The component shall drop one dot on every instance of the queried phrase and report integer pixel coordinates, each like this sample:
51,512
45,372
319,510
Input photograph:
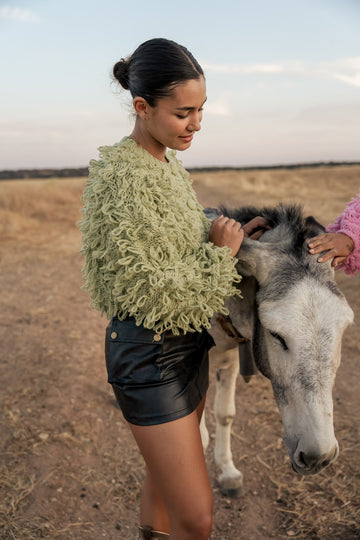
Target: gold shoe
147,533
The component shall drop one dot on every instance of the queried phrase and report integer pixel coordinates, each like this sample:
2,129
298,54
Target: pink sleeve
349,224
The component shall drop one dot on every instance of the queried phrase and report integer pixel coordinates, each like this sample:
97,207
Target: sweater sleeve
165,277
349,224
161,286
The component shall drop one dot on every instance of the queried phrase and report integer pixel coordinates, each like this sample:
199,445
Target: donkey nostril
330,457
302,460
311,462
307,460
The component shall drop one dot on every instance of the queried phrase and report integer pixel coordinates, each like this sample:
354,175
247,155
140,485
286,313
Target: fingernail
320,259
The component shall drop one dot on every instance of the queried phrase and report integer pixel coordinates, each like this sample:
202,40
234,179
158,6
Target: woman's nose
195,124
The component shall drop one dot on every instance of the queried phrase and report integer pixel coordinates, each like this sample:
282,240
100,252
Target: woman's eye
183,116
281,340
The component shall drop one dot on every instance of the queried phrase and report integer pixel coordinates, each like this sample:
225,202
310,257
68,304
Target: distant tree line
43,173
84,171
272,167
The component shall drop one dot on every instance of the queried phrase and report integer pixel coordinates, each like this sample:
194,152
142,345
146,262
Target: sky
283,78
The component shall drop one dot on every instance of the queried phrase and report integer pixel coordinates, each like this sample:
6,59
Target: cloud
217,108
252,68
18,14
353,80
342,115
346,70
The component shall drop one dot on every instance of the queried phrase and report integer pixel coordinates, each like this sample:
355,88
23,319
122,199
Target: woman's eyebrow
188,108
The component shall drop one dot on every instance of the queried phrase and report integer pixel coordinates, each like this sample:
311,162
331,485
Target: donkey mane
289,231
294,230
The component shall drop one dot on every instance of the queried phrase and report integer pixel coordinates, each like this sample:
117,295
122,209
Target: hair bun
121,73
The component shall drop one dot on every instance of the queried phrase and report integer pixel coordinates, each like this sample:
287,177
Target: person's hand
338,247
255,228
226,231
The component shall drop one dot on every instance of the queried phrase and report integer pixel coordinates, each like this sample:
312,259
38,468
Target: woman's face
174,120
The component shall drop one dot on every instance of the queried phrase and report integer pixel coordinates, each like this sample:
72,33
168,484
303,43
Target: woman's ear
141,107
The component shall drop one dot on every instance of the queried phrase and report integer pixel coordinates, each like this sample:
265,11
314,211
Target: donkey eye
281,340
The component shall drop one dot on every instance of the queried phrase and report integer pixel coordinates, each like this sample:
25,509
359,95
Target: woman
160,270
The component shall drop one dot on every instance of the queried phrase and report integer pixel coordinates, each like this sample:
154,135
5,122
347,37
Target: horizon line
48,172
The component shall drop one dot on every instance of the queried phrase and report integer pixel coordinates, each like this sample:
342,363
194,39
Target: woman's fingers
224,220
337,261
330,254
257,222
226,231
334,244
320,243
256,235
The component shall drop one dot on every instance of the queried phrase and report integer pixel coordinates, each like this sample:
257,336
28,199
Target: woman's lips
187,138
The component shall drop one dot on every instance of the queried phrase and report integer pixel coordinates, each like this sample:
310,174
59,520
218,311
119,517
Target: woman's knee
197,524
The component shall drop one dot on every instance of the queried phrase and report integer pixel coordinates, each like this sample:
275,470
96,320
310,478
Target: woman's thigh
174,455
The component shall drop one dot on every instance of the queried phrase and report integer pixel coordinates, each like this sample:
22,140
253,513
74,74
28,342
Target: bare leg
177,495
153,511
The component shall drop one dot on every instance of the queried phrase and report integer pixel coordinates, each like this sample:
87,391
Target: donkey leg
204,432
230,479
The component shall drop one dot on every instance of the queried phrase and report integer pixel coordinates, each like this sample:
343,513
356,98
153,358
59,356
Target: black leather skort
156,378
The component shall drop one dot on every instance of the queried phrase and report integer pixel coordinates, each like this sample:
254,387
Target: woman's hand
226,231
255,228
338,247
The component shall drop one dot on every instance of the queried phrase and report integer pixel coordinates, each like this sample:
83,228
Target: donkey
289,325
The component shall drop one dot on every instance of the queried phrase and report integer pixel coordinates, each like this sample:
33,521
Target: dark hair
155,68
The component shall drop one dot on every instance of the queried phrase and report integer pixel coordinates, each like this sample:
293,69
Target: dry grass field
68,466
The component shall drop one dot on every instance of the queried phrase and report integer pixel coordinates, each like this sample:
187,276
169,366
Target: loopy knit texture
349,224
145,242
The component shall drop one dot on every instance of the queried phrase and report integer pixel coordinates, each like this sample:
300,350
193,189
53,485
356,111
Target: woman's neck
146,141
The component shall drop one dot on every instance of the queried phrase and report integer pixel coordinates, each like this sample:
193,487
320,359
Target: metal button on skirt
156,378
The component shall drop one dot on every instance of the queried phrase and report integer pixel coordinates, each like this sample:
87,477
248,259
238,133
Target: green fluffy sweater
145,242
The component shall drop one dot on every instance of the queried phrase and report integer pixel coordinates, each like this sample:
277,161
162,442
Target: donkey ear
255,259
313,227
246,264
